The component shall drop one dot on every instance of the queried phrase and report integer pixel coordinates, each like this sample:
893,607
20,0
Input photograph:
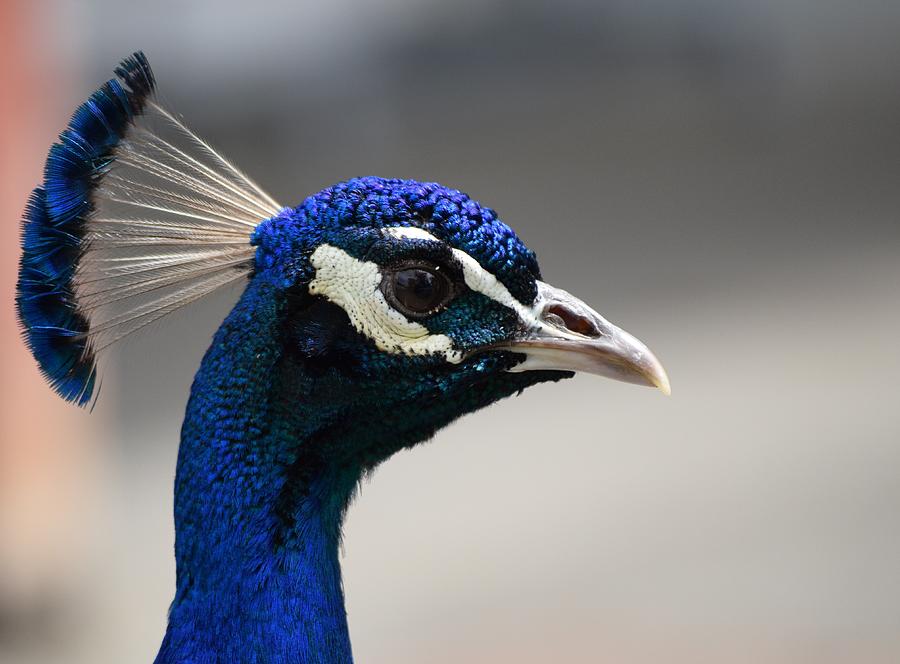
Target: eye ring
417,289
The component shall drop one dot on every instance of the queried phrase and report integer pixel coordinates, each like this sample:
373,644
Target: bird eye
417,291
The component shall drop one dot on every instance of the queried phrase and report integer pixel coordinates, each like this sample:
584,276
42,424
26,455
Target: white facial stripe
478,279
410,232
354,286
482,281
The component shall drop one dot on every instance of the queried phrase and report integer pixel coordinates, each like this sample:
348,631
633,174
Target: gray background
719,178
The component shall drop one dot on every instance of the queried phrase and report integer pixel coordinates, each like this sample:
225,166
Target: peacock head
400,305
415,299
372,314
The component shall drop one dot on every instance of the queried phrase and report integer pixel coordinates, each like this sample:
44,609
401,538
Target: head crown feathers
136,217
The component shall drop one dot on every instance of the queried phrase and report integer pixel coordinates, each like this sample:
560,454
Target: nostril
573,321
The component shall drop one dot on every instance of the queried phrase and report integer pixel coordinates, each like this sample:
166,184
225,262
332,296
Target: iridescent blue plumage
373,202
374,313
54,224
292,407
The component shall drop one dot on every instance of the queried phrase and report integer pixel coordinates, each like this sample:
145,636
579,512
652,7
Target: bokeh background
719,177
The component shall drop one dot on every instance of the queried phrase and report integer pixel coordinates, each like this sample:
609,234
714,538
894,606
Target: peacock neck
258,514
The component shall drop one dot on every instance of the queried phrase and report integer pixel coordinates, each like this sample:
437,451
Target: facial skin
415,298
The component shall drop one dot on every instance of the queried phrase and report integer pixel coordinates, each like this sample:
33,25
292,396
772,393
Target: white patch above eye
410,233
355,286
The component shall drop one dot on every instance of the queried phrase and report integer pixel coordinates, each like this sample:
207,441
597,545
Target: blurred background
718,177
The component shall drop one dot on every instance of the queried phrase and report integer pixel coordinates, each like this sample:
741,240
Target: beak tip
659,378
663,385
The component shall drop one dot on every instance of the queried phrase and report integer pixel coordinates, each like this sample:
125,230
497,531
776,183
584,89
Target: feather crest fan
136,218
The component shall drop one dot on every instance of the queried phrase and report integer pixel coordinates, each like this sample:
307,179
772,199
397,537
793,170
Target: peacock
372,314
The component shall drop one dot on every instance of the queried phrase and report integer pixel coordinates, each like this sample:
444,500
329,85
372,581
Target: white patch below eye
354,286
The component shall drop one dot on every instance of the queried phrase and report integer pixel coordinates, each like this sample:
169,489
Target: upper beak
567,335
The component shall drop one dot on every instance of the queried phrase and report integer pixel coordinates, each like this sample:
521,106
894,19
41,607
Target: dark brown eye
418,290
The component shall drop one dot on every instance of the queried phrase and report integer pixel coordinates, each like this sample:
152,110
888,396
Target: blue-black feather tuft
138,77
55,329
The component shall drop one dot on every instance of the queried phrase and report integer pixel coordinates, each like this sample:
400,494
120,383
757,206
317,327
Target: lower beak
567,335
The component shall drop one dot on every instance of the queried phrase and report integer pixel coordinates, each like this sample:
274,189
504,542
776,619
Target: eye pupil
419,291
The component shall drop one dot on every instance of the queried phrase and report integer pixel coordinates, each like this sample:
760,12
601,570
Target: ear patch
354,285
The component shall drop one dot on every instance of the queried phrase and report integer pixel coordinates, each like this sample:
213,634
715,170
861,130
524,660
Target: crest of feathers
136,218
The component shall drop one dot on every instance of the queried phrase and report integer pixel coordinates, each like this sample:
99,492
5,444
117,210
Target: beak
565,334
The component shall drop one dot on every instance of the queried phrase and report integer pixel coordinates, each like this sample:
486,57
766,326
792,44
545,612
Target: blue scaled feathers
293,404
373,202
53,229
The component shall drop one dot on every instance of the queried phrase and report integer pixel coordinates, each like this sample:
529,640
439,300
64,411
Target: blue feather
54,224
294,402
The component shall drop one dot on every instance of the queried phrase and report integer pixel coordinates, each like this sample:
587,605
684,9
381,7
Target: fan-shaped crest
136,218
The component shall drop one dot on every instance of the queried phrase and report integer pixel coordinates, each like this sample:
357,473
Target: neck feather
257,513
